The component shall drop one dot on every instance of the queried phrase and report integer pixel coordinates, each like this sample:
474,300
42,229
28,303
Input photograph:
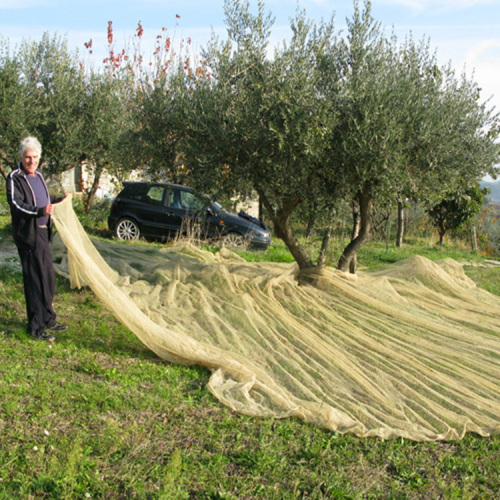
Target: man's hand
48,209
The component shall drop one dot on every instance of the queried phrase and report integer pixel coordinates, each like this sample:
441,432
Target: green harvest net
412,350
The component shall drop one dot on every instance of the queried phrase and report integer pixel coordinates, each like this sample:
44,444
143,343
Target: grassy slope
96,415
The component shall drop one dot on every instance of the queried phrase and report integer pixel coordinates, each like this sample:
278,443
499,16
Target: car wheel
127,230
233,240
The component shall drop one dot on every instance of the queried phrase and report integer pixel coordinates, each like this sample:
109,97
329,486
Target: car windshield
218,207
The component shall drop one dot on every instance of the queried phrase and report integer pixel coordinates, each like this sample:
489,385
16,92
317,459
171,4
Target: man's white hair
29,143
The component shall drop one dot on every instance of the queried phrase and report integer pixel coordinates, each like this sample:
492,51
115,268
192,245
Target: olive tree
104,124
366,144
407,127
55,87
322,120
17,109
151,83
260,122
457,208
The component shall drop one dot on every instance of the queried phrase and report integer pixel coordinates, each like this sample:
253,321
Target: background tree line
322,121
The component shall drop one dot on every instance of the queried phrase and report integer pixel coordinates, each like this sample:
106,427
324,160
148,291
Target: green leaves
317,119
457,207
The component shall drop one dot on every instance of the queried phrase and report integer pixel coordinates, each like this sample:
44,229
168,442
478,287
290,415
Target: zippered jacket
24,209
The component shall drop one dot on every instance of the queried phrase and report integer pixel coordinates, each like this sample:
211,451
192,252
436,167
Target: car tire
127,230
234,240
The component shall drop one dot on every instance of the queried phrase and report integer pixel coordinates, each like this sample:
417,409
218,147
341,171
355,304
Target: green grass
98,415
277,252
378,254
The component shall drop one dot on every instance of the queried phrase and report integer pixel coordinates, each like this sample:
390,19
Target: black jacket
24,209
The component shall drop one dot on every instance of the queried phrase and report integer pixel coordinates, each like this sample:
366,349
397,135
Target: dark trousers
39,283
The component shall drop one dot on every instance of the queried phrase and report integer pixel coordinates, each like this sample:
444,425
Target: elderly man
31,207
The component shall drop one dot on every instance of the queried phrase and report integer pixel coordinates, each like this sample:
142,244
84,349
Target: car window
135,192
155,195
186,200
147,194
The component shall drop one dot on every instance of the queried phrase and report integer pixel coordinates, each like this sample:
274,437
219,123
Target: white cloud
481,51
484,59
418,6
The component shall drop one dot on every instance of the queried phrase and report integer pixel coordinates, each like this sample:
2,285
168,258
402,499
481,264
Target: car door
150,209
186,212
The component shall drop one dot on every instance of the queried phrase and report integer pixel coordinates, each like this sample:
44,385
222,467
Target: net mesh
412,350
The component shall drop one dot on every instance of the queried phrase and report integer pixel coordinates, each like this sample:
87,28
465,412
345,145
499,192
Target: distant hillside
494,188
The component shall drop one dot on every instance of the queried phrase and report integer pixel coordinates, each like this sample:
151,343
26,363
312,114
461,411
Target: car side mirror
210,211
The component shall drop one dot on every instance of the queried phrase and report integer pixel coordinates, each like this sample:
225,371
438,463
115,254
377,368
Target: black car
160,211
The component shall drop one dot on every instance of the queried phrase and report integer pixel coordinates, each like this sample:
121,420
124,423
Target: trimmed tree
261,124
457,208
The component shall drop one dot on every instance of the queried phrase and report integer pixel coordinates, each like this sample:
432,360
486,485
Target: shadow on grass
90,325
13,327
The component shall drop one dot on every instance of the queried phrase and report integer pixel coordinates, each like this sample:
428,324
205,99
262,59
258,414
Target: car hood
243,220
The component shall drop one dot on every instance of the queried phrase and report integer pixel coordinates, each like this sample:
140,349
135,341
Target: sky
463,32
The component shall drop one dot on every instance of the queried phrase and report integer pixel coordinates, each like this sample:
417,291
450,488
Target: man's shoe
57,327
42,335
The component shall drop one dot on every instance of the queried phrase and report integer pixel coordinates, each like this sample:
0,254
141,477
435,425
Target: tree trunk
3,158
401,224
283,230
354,234
347,260
324,244
93,189
441,229
2,171
311,220
441,237
474,238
